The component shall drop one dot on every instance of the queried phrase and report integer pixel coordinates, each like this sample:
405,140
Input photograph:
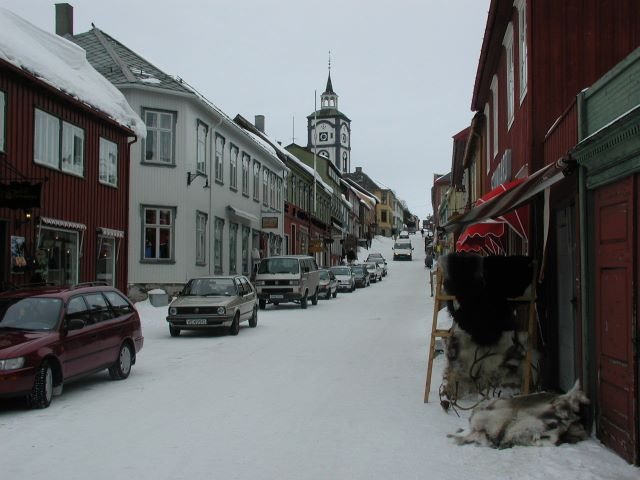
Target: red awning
502,203
482,237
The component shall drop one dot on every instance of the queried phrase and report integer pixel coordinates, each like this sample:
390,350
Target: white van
403,249
287,278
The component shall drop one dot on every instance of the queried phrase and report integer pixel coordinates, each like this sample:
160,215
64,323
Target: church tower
329,130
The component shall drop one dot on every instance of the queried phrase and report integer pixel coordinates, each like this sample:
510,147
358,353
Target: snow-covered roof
304,166
63,65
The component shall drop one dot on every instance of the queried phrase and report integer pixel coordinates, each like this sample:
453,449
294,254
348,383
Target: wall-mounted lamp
192,176
26,219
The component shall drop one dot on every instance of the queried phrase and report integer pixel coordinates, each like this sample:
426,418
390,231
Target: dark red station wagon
50,336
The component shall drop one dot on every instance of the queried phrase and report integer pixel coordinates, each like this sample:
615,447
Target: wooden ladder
441,296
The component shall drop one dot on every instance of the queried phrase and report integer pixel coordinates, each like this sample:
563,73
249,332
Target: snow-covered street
331,392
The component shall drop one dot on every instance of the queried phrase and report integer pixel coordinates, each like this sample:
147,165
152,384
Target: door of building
615,307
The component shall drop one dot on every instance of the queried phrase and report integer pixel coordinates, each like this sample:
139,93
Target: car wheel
335,293
42,391
253,321
122,367
314,299
174,332
234,329
262,303
304,301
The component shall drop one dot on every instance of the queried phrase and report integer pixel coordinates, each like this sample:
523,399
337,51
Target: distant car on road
361,276
50,336
214,302
404,234
328,284
346,278
402,249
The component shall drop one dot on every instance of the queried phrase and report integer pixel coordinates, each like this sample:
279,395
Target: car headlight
12,363
259,283
173,310
221,310
294,282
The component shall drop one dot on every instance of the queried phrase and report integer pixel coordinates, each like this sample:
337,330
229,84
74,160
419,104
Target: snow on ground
331,392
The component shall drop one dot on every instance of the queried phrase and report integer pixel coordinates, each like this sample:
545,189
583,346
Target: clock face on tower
324,136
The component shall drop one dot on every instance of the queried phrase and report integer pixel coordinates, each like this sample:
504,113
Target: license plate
196,321
276,297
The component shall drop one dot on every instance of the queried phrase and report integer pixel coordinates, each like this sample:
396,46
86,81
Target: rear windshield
341,271
324,275
279,265
358,269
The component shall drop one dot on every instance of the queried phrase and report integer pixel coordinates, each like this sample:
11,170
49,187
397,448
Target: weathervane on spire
329,61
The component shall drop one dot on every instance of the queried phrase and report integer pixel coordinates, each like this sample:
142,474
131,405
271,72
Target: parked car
213,302
402,249
375,271
378,258
328,284
345,277
50,336
360,276
287,278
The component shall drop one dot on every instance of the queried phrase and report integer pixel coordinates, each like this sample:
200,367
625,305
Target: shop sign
269,222
23,195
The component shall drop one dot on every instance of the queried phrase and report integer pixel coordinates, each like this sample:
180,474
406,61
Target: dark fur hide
537,419
481,286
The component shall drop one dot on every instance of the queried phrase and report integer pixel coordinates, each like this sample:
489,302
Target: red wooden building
536,58
64,163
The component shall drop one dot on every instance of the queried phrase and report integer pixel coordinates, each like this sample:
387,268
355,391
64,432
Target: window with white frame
272,190
245,174
72,149
201,148
3,120
487,140
510,85
521,5
233,247
233,167
159,144
217,245
219,158
494,94
201,238
108,166
46,140
158,228
256,181
265,187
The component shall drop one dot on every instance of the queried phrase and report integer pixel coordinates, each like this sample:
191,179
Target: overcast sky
404,70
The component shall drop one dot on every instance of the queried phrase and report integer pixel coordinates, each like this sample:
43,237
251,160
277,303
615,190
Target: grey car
214,302
346,278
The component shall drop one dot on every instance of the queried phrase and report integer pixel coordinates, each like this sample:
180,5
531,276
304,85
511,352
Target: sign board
269,222
23,195
316,246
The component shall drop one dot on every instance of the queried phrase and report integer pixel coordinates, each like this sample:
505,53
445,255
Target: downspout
130,142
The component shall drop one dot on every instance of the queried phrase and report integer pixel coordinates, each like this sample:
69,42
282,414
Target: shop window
57,256
106,263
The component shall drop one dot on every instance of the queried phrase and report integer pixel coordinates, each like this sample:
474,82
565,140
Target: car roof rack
89,284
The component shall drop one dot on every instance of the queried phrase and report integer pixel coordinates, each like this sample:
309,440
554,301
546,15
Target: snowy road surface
331,392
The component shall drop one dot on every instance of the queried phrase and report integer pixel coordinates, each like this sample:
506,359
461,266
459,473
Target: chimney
358,169
64,19
259,123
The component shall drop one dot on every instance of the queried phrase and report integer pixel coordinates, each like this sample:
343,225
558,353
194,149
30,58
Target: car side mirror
75,324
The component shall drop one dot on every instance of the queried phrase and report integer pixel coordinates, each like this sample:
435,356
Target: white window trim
494,93
158,227
234,152
507,42
521,5
69,133
46,139
158,129
219,158
201,238
487,116
256,180
202,131
3,120
107,168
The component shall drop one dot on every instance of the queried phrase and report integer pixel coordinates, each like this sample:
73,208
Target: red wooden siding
65,196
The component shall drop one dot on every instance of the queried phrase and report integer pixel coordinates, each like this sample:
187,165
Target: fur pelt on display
529,420
485,370
482,286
